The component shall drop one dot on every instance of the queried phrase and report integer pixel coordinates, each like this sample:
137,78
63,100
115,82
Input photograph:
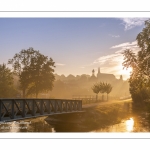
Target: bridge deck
17,109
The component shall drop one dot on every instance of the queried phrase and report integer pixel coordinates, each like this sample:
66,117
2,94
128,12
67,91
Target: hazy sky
77,45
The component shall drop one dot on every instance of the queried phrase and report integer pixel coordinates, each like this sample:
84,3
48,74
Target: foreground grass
93,117
102,116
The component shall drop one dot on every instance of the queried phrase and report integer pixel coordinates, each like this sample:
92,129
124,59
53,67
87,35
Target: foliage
6,83
96,89
140,63
108,89
35,71
102,88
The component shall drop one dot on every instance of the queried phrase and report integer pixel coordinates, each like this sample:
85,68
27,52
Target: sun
124,72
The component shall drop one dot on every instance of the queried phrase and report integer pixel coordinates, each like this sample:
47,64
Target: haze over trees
102,88
35,71
80,85
140,63
7,89
32,75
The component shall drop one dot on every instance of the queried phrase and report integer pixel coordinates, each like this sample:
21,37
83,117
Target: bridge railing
86,99
15,109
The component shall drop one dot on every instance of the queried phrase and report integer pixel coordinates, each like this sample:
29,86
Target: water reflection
30,125
136,124
129,124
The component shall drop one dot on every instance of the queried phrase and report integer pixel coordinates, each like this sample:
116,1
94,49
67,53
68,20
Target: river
133,124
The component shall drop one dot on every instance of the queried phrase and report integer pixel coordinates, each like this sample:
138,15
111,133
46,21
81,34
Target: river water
132,124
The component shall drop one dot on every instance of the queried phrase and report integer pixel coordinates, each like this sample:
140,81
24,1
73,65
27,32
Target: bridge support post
23,107
12,110
61,105
0,111
48,106
41,103
66,103
80,105
55,107
33,107
71,106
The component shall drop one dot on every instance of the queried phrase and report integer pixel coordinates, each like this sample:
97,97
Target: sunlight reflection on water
129,125
124,126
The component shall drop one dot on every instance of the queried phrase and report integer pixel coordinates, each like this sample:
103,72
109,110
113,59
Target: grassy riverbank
100,115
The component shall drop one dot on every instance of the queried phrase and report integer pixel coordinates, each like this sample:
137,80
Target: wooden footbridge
17,109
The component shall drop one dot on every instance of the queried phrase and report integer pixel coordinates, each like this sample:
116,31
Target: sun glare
129,125
124,72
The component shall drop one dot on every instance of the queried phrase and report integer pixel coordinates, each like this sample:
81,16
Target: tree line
35,72
102,88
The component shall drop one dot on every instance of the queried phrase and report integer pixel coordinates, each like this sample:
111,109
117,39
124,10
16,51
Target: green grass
109,114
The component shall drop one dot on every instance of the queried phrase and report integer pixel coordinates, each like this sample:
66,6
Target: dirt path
105,103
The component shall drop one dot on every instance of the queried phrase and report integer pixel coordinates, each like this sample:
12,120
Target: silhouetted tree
35,71
6,82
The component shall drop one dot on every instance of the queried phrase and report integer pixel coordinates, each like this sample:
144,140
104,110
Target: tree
102,88
96,89
140,63
35,71
6,82
108,89
41,75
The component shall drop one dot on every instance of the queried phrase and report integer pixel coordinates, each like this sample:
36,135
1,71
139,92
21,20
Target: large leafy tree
41,75
35,71
6,82
140,64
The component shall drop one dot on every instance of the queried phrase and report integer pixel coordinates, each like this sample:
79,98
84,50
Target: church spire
98,74
93,71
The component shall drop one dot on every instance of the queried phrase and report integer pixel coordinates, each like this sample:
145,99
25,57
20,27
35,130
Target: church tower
93,71
98,74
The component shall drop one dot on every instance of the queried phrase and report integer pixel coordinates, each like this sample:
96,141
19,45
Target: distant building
93,77
103,76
